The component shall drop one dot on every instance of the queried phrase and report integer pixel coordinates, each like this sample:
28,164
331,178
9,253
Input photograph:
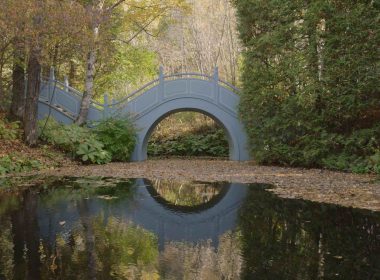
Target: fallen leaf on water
106,197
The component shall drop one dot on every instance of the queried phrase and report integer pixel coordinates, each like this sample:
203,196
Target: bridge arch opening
188,133
228,138
149,118
186,197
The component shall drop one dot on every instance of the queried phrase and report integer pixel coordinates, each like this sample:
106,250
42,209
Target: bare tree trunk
89,88
31,104
18,85
90,70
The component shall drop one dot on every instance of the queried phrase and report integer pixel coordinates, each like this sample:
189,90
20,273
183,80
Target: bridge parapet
179,85
61,97
63,101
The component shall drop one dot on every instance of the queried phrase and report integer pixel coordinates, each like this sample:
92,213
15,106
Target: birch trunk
89,88
90,70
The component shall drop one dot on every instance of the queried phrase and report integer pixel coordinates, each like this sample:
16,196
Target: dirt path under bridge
362,191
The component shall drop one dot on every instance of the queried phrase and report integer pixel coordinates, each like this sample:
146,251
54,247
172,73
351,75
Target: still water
102,228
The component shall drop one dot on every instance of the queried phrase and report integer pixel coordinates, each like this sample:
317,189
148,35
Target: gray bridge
152,103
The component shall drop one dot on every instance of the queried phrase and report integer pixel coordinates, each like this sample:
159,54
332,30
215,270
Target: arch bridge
152,103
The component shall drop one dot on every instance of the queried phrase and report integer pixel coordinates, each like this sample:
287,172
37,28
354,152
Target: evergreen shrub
311,82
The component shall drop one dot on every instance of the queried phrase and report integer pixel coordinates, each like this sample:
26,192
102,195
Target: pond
104,228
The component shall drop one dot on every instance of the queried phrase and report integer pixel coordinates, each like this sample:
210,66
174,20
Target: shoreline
319,185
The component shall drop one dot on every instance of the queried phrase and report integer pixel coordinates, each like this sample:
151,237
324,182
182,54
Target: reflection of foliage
283,238
121,251
129,250
202,260
186,193
78,188
8,203
6,249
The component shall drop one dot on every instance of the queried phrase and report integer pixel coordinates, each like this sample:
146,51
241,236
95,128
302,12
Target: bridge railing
185,75
137,92
62,95
65,99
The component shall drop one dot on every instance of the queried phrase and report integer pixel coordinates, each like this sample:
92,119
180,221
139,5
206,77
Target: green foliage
78,141
16,163
111,139
92,151
9,130
310,83
128,67
211,142
118,136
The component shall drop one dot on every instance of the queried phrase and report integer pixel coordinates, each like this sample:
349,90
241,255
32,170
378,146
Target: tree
135,17
200,40
310,82
12,57
33,27
18,81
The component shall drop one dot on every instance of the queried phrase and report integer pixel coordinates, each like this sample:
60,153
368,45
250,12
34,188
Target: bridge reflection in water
152,211
205,221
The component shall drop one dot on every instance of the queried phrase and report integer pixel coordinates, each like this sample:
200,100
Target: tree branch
109,9
142,29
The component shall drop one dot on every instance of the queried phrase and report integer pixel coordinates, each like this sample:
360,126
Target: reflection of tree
75,189
186,193
89,236
6,249
118,250
94,248
202,261
25,237
292,239
8,203
97,248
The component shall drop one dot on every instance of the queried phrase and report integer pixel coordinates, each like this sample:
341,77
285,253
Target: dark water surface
99,228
